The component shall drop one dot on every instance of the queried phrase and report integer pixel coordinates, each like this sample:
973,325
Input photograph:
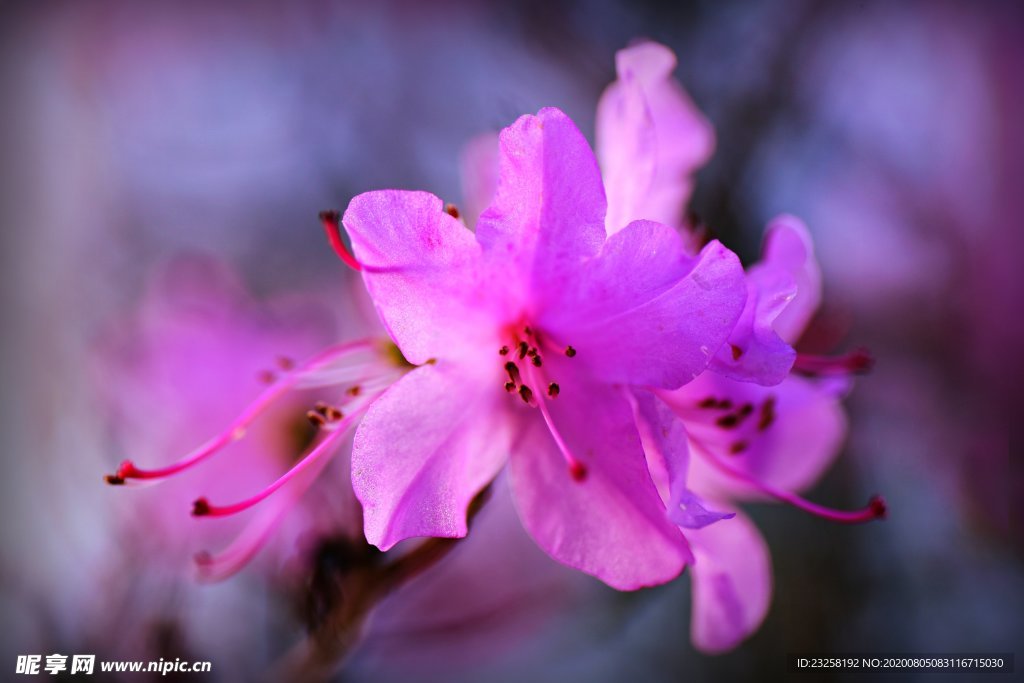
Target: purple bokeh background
134,132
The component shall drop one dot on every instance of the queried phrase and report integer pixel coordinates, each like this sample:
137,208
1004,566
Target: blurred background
133,134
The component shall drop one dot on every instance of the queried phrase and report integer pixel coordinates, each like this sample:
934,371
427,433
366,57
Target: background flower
132,131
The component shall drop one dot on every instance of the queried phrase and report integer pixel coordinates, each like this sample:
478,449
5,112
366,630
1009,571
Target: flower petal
644,312
422,269
791,434
788,247
612,524
423,451
548,211
732,584
665,444
755,352
651,138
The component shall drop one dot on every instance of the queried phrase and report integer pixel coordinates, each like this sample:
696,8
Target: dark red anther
738,447
266,377
332,226
736,351
767,414
285,363
523,349
510,387
113,479
503,350
451,210
709,402
570,351
525,393
878,507
746,409
536,360
354,390
553,390
578,471
728,421
513,372
316,419
200,507
725,404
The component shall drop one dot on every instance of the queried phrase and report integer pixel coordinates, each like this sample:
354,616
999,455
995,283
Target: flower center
528,378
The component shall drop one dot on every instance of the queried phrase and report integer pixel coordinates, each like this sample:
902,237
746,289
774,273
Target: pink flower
746,428
526,336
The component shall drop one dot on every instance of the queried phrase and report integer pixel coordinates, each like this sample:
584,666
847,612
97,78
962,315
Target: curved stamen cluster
526,349
360,370
743,422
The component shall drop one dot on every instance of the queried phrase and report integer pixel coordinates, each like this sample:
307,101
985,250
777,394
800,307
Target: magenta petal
754,351
732,584
788,247
424,450
612,524
643,312
548,211
422,269
790,450
650,139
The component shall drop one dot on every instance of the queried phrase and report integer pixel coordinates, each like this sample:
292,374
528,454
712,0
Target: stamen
767,414
875,509
203,508
536,360
236,429
503,351
523,348
513,372
553,390
570,351
709,402
332,226
510,387
857,362
737,352
525,393
577,469
315,418
451,210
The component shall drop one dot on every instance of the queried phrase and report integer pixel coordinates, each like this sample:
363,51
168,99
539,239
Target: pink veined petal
424,449
644,312
797,443
548,210
732,584
754,351
788,246
479,166
422,269
651,139
664,440
612,523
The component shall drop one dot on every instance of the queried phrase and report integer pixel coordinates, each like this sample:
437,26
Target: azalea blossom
746,428
527,336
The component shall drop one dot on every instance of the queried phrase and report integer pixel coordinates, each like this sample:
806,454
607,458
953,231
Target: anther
746,409
513,372
523,349
113,479
315,418
570,351
266,377
200,507
738,447
285,363
503,350
525,393
725,404
333,414
728,421
354,390
577,470
553,390
510,387
736,351
767,414
709,402
535,359
858,361
451,210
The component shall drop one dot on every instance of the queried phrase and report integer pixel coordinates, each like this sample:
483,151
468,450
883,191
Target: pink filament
857,361
236,428
202,508
875,509
576,468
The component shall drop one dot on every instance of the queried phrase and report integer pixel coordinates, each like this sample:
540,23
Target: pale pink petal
754,351
548,211
424,450
611,524
422,269
479,166
732,584
791,434
665,444
644,312
651,139
788,246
